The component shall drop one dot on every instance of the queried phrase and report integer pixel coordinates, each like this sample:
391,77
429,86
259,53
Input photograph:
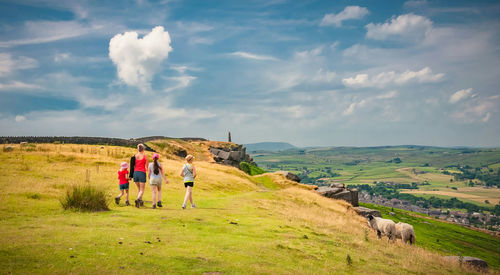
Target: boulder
231,155
340,192
363,211
476,263
345,195
8,148
328,191
337,185
290,176
234,155
180,152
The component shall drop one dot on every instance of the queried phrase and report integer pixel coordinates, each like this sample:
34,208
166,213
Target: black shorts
188,183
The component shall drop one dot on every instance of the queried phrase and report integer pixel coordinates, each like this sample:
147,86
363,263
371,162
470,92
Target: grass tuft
85,198
34,196
348,260
251,169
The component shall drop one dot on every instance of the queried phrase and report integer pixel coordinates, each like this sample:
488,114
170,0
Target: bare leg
191,195
188,189
142,185
138,189
154,194
127,193
159,193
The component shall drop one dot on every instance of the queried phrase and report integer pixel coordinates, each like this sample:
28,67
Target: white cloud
350,12
459,95
20,118
253,56
8,64
477,110
139,59
111,102
353,106
407,26
383,79
391,94
59,57
181,82
305,67
18,85
37,32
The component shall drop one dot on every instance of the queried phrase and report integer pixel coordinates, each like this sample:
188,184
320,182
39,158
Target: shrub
251,169
34,196
85,198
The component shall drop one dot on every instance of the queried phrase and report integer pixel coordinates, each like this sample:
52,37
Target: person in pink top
123,182
141,163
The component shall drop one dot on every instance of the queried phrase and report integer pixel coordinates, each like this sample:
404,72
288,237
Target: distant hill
268,146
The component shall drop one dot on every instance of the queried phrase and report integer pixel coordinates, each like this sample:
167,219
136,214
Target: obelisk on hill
229,136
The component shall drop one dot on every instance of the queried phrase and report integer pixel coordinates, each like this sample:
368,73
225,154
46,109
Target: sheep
383,226
405,232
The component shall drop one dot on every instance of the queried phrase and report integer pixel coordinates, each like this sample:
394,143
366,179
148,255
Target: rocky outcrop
340,192
291,176
475,263
363,211
231,155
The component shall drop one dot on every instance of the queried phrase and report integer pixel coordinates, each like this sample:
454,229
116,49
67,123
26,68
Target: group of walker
138,166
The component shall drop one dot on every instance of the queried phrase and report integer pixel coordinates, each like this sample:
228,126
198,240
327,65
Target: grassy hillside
243,224
444,237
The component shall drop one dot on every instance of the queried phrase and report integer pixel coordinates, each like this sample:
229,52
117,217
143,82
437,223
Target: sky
312,73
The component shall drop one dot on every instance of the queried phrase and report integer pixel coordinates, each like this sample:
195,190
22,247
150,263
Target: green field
420,164
243,224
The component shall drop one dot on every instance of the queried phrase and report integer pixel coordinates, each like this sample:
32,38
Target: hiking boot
154,206
193,205
159,204
141,202
184,206
137,203
117,200
127,203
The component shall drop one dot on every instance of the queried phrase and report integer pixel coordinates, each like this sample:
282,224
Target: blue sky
311,73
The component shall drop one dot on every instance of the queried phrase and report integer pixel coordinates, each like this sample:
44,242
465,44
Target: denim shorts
139,176
188,183
124,186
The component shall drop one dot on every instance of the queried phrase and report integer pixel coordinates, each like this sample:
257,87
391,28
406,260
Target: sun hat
189,157
124,165
156,156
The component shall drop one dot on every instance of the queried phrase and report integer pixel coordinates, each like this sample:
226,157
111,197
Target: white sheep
405,232
383,226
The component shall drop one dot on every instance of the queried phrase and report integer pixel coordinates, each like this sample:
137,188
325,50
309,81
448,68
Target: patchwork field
399,164
243,224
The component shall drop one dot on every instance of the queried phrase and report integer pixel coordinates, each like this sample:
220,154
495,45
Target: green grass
251,169
243,224
446,238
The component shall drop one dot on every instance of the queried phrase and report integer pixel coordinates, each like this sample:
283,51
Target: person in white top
188,172
156,176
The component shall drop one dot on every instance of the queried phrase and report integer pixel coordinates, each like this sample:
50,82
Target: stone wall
89,140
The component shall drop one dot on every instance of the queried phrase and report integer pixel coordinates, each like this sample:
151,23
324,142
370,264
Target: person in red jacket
123,182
